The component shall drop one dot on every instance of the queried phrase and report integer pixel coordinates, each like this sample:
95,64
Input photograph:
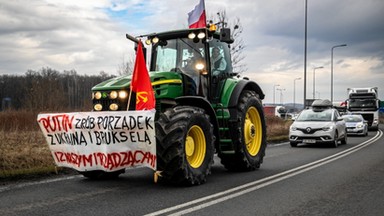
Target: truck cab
365,101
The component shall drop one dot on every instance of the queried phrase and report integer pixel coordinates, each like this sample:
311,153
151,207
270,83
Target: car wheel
344,140
293,144
335,142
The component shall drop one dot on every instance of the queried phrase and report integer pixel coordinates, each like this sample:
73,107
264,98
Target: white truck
365,101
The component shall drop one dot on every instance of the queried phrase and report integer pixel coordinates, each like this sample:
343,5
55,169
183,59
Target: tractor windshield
179,55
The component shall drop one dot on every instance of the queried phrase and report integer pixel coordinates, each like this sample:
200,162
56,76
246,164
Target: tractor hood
123,82
116,83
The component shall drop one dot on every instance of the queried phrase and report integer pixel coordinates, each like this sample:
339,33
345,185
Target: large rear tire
185,145
249,135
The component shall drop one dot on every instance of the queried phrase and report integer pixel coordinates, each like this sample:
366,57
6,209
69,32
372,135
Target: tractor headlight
201,35
191,35
97,95
199,66
113,107
113,95
155,40
123,94
98,107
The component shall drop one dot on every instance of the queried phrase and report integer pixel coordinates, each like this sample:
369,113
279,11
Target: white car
356,125
320,124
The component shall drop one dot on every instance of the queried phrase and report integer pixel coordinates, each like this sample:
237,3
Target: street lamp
274,88
341,45
281,95
314,80
305,51
294,92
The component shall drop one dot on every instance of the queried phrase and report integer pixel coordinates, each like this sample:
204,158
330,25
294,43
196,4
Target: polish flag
197,18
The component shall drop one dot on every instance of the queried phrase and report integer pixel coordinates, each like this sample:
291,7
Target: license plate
349,130
309,141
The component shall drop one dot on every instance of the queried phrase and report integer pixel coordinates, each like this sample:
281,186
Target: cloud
57,34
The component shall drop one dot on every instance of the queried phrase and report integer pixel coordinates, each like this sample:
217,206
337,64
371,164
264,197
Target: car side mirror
339,119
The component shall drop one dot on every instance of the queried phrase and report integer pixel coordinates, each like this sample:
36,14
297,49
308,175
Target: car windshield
352,118
310,115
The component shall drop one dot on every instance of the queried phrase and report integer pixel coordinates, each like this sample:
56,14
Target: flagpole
130,87
129,97
205,11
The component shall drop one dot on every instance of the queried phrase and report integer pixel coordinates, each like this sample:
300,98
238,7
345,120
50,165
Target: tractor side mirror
225,35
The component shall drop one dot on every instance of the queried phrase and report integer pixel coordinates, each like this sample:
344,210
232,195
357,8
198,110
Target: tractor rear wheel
185,145
249,135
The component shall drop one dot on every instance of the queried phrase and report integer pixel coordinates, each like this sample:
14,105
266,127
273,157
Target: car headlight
327,128
293,128
359,125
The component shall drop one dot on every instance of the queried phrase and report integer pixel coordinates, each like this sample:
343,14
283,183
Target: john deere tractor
202,107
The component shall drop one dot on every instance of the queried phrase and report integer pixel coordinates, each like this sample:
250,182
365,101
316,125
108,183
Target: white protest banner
106,141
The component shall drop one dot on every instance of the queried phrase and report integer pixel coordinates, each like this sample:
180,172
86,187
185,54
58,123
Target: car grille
309,130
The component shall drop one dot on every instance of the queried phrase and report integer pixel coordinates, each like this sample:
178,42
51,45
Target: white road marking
10,187
252,186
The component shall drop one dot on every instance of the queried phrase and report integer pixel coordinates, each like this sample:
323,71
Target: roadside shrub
277,128
18,121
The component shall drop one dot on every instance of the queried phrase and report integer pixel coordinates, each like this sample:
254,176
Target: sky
89,36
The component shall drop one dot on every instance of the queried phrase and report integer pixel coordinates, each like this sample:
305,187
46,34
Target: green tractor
202,107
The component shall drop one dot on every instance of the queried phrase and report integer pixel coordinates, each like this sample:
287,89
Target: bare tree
44,91
126,67
237,48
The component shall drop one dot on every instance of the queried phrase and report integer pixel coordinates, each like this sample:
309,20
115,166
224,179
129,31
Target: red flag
141,83
197,18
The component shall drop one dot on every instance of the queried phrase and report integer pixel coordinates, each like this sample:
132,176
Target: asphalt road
307,180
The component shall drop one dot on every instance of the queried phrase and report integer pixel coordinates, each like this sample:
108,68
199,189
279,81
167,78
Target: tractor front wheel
249,135
185,145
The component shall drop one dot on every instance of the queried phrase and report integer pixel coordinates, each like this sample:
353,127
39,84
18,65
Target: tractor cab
200,56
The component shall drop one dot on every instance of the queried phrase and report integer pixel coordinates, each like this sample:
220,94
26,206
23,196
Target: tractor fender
245,85
242,85
204,104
